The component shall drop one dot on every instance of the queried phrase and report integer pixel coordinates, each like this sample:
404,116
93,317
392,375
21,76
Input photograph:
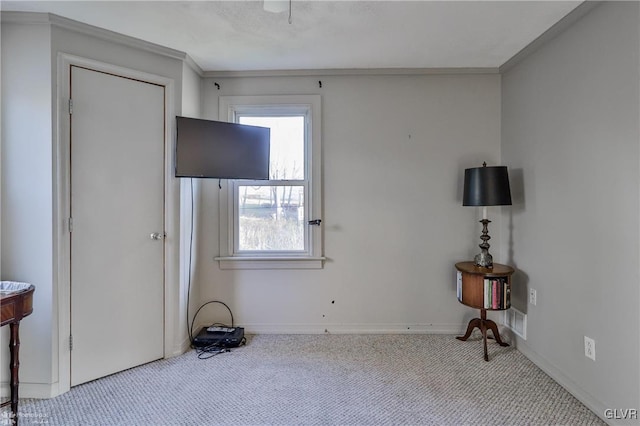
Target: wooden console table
487,289
16,302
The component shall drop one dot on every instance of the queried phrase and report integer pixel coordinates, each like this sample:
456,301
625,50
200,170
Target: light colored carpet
324,380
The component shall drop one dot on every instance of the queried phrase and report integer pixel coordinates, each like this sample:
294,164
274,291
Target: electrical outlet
533,297
589,348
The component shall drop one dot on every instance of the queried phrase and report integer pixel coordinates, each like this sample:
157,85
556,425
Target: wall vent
516,321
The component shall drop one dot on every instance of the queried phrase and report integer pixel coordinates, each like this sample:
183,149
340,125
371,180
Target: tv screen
215,149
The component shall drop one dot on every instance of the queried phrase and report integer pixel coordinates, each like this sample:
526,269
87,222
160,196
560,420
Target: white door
117,202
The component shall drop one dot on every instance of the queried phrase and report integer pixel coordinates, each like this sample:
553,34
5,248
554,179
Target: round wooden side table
487,289
16,302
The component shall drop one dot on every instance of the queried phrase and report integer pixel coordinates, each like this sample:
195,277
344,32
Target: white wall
189,200
191,92
394,151
393,221
116,50
27,216
571,131
30,191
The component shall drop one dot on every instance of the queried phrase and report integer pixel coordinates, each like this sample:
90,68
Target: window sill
271,262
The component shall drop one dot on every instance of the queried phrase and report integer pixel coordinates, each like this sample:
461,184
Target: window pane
271,218
287,145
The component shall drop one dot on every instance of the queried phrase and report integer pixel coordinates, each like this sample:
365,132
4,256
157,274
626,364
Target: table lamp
486,186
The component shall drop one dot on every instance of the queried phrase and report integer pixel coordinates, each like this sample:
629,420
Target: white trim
355,328
563,380
312,258
172,345
568,20
24,18
33,390
82,28
274,262
193,65
348,71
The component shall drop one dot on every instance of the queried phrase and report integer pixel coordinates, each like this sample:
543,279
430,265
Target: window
265,224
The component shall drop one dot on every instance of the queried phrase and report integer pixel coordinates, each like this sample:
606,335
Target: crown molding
37,18
559,27
348,71
193,65
34,18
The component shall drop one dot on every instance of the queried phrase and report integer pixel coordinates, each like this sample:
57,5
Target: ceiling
243,36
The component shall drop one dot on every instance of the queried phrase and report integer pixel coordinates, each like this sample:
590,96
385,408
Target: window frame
312,256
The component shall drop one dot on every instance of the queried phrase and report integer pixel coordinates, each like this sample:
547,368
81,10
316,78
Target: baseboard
179,348
32,390
46,391
353,328
559,377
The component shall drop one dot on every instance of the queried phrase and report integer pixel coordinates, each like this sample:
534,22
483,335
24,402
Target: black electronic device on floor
223,337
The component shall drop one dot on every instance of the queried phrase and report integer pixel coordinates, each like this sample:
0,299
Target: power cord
212,325
211,350
216,349
189,331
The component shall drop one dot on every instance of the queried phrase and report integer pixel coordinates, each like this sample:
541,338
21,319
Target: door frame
61,199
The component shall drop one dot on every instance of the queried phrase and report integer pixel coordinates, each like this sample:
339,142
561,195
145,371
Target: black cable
215,349
211,350
200,308
189,271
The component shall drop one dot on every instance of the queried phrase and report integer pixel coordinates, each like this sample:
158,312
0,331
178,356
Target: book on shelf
497,293
487,293
507,296
495,302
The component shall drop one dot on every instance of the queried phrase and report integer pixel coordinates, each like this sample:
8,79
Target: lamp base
484,259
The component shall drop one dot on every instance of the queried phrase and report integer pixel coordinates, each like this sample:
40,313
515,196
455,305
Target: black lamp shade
486,186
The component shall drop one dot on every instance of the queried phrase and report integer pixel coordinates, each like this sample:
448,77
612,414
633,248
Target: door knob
157,236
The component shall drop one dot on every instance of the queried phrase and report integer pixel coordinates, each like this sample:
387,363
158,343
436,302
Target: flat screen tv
215,149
